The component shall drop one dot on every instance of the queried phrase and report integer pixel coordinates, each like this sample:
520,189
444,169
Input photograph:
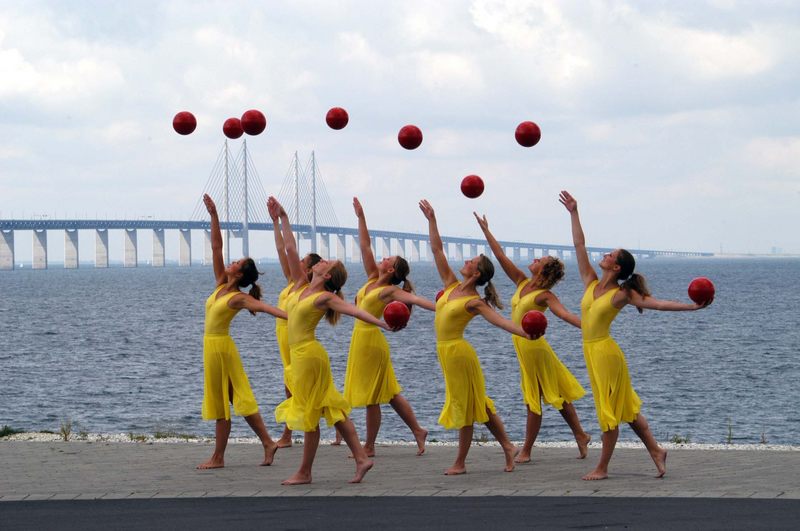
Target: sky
676,125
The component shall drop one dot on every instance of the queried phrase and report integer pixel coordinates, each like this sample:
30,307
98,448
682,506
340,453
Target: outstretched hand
275,208
210,206
357,207
427,209
482,221
568,201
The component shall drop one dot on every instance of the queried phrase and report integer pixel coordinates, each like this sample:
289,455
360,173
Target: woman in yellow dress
370,380
314,394
542,375
465,399
225,381
281,329
614,398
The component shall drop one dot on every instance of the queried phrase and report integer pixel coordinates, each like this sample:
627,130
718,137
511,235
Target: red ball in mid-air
396,314
472,186
534,323
253,122
337,118
410,137
184,123
528,134
701,290
439,295
233,128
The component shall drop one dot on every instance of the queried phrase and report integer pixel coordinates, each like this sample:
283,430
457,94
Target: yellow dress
465,400
313,393
369,378
221,364
282,333
539,366
614,398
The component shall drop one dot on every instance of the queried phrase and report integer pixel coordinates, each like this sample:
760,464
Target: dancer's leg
609,439
404,411
363,463
286,437
464,442
221,433
534,422
581,437
495,426
657,454
270,447
303,474
373,426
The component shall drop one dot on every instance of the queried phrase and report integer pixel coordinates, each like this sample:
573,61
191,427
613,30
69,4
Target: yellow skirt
313,393
282,335
614,398
221,366
369,378
465,400
540,368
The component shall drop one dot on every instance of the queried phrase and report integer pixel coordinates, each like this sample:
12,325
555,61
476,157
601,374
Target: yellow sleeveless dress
222,364
539,366
465,400
369,378
614,398
282,333
313,393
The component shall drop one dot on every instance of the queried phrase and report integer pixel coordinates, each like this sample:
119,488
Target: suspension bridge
234,182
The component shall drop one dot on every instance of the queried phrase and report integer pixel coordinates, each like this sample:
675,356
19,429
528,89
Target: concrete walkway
86,470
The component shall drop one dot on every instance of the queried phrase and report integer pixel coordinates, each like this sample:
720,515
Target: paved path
83,470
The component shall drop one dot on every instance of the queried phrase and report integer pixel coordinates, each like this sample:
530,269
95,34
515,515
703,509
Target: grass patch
5,431
680,439
65,430
137,437
170,434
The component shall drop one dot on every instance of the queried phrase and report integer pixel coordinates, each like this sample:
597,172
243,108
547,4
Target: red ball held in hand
410,137
232,128
472,186
253,122
337,118
701,290
184,123
534,323
528,134
396,314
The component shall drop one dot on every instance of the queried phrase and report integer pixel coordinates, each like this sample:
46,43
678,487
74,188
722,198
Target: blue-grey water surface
120,350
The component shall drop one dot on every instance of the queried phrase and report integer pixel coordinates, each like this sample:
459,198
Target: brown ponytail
334,284
486,269
631,281
490,296
401,271
250,274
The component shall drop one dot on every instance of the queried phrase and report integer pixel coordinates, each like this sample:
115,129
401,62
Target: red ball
528,134
396,314
184,123
472,186
534,323
253,122
439,295
701,290
337,118
232,128
410,137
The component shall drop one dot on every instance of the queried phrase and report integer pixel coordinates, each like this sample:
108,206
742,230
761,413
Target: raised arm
588,274
479,307
394,293
367,257
550,300
247,302
513,272
216,240
331,301
289,243
279,246
447,275
651,303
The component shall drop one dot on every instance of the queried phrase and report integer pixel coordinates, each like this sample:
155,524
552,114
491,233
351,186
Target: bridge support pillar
459,257
355,250
473,250
131,248
7,260
101,248
545,252
415,250
324,245
158,247
208,252
429,252
71,258
185,247
341,248
401,247
516,255
40,249
386,247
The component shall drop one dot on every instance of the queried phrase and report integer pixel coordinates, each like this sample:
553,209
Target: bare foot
297,478
510,452
421,437
211,463
284,443
595,475
269,453
455,470
336,442
661,463
583,445
369,452
361,470
523,457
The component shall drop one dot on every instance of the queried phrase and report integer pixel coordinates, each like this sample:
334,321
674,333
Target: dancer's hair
250,274
401,271
313,258
630,280
552,272
334,284
486,269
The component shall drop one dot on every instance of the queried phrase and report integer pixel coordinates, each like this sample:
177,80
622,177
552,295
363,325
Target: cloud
775,155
